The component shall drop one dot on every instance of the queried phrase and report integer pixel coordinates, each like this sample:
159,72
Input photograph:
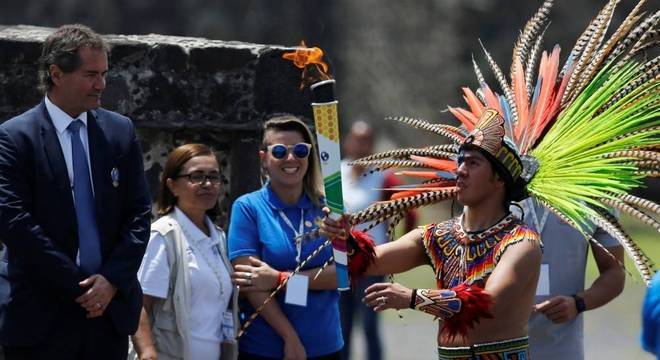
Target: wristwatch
579,303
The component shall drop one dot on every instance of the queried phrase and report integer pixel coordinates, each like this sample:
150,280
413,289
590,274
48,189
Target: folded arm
122,264
252,274
607,286
274,316
610,281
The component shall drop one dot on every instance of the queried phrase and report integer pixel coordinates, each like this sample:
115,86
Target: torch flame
311,61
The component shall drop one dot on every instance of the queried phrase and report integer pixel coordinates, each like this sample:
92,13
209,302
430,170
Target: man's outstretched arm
392,258
400,255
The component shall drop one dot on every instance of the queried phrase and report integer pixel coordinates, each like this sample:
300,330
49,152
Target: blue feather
446,175
537,90
507,116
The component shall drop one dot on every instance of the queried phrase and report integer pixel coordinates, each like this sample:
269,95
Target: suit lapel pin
114,175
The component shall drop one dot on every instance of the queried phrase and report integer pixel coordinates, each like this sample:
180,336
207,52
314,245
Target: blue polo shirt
257,229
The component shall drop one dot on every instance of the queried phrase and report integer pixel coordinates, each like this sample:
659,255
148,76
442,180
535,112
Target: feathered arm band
361,251
460,307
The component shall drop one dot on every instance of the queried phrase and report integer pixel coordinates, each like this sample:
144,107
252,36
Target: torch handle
327,130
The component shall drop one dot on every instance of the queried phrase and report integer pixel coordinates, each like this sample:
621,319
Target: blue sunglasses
280,151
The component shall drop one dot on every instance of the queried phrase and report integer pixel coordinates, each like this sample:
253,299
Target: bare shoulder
520,242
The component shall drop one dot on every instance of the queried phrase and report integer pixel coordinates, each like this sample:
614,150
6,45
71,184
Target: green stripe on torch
333,193
327,134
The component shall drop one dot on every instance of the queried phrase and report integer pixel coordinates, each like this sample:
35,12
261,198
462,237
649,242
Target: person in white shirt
188,310
556,325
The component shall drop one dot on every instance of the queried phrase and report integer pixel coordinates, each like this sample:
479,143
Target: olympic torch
324,106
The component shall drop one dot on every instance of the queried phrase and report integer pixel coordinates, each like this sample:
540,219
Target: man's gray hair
61,49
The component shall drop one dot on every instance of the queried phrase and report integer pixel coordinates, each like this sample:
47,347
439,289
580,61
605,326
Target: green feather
573,170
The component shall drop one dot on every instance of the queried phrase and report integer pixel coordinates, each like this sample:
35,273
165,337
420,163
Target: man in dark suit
74,213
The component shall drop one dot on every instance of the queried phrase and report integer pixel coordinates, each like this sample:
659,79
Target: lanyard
296,234
538,226
203,254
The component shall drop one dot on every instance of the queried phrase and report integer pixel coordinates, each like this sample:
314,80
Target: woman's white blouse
211,286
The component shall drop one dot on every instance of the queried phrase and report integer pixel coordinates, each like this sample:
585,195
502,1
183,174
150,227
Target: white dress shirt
61,121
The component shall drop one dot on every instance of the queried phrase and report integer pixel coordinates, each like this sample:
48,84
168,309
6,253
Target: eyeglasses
280,151
199,178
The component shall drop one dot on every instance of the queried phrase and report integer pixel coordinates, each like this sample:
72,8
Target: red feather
465,117
405,193
361,253
475,305
440,164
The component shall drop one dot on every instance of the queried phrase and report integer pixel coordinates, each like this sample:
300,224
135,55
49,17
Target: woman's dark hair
175,162
312,182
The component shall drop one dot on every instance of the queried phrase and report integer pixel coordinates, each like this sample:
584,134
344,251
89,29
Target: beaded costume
462,262
457,256
514,349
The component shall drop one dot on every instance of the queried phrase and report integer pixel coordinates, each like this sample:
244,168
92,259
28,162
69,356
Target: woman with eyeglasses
265,246
190,306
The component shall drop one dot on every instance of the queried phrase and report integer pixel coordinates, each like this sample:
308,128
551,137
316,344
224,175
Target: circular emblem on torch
325,156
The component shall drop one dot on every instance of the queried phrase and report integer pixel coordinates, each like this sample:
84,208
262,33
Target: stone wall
176,90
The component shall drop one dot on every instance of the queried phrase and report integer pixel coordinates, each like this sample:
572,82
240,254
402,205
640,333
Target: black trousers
92,339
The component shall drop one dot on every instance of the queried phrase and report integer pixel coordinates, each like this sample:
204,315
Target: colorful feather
642,262
625,208
389,208
440,164
579,78
532,29
640,203
503,84
632,38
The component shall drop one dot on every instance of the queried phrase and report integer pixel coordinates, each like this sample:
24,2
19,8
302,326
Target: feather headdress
587,132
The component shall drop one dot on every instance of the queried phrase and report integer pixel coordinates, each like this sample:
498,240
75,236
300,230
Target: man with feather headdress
578,139
486,261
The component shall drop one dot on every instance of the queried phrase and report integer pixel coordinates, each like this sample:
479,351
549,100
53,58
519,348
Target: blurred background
389,58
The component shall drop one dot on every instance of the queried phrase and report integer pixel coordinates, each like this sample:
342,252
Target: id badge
296,290
228,325
543,287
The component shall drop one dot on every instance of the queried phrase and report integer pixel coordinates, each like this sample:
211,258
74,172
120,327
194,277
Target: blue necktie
89,242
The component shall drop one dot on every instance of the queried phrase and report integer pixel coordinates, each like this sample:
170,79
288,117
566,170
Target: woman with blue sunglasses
265,245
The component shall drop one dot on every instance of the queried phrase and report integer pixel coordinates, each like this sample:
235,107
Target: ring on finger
383,300
98,305
248,275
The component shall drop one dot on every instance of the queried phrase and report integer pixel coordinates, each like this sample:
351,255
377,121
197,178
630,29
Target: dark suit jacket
38,274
